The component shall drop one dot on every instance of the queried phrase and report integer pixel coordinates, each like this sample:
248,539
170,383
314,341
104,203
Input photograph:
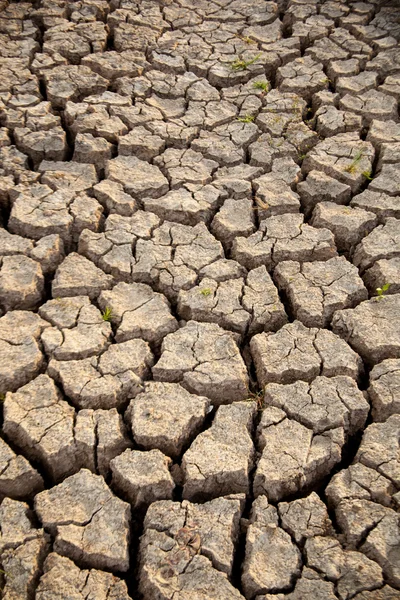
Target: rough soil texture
199,300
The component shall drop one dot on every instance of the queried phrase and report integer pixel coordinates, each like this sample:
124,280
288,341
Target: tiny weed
352,167
246,119
302,156
205,291
261,85
381,290
258,397
246,40
2,398
241,65
368,175
106,315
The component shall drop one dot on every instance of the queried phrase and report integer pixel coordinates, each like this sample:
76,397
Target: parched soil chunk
205,360
220,459
283,237
138,312
21,358
18,478
382,243
316,290
384,389
142,477
105,381
78,276
21,283
166,416
23,549
298,352
285,469
63,579
90,523
372,328
272,562
187,549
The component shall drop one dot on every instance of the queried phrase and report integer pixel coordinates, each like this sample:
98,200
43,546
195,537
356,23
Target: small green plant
352,167
107,314
2,398
241,65
246,119
381,290
258,397
261,85
205,291
368,175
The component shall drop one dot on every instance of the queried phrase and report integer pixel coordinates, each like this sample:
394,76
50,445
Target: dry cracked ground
200,300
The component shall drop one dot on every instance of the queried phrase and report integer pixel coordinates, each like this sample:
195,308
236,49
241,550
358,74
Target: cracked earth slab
199,281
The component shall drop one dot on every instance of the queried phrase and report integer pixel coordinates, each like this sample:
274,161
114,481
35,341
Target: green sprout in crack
368,175
241,65
352,167
205,291
246,119
2,398
261,85
106,315
381,290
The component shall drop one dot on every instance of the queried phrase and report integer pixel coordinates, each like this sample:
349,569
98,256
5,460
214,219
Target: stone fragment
61,578
382,243
89,523
21,283
220,459
91,150
205,360
167,417
297,352
138,312
105,381
189,548
142,477
272,562
283,237
330,121
372,328
348,225
284,468
78,328
78,276
316,290
18,478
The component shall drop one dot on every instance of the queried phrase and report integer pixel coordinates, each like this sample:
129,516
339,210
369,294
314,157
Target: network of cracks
200,300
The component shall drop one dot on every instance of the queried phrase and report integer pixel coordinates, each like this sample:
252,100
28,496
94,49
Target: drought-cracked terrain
200,300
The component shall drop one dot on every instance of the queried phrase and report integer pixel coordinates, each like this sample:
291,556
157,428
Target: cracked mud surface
199,345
